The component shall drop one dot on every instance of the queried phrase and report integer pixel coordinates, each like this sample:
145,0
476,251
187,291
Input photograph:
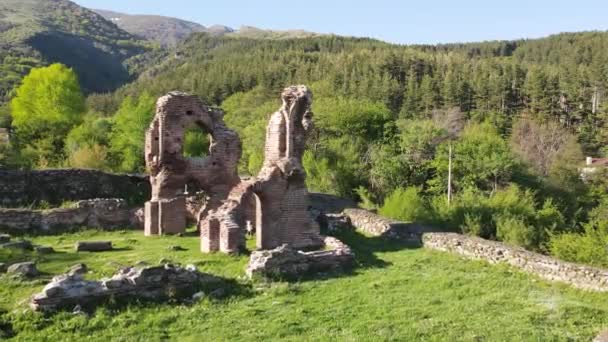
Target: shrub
473,224
89,157
515,231
588,248
406,205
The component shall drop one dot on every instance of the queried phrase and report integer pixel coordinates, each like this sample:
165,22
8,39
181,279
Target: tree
128,133
482,160
47,105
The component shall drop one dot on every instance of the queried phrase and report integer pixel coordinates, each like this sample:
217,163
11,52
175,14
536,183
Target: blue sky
419,21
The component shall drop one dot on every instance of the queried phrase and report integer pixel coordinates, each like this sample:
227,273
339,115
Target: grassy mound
395,293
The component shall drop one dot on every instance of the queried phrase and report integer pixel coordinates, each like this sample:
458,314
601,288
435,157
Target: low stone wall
579,276
97,213
22,188
376,225
583,277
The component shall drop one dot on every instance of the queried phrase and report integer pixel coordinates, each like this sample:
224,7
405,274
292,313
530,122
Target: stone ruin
275,202
170,171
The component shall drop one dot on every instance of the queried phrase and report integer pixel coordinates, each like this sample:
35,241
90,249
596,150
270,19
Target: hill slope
40,32
164,30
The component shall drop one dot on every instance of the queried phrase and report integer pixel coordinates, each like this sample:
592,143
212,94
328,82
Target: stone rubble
153,283
285,262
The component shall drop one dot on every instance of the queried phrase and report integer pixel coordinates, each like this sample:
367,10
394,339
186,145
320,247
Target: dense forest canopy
510,121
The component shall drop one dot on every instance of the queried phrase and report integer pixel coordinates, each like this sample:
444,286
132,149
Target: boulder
4,238
24,269
93,246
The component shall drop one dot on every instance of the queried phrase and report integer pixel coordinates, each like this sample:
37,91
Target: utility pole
450,174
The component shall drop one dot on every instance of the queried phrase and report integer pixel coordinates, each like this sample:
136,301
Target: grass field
395,293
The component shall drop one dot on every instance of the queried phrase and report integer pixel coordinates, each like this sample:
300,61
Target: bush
89,157
406,205
515,231
588,248
511,215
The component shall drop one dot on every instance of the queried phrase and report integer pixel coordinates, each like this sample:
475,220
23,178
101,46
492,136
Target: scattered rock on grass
44,250
176,248
198,296
21,245
93,246
24,269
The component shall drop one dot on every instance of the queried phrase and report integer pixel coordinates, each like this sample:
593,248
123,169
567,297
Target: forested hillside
35,33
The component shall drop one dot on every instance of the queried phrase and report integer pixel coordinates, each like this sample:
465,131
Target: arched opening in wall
196,141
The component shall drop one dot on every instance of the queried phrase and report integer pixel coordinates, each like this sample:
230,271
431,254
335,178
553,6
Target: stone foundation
97,213
151,283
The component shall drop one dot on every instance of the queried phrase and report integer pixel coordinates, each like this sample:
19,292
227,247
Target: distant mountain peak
166,31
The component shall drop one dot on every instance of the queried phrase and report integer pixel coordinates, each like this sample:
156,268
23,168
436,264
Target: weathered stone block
93,246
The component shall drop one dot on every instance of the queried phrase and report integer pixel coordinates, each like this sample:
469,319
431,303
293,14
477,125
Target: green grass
395,293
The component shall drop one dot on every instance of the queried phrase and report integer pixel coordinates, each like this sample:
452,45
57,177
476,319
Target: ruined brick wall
278,193
22,188
170,171
280,185
96,213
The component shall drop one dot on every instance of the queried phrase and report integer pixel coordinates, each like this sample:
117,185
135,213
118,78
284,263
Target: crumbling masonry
275,202
170,171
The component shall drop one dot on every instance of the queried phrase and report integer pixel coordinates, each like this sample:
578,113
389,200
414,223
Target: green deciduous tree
46,106
129,128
